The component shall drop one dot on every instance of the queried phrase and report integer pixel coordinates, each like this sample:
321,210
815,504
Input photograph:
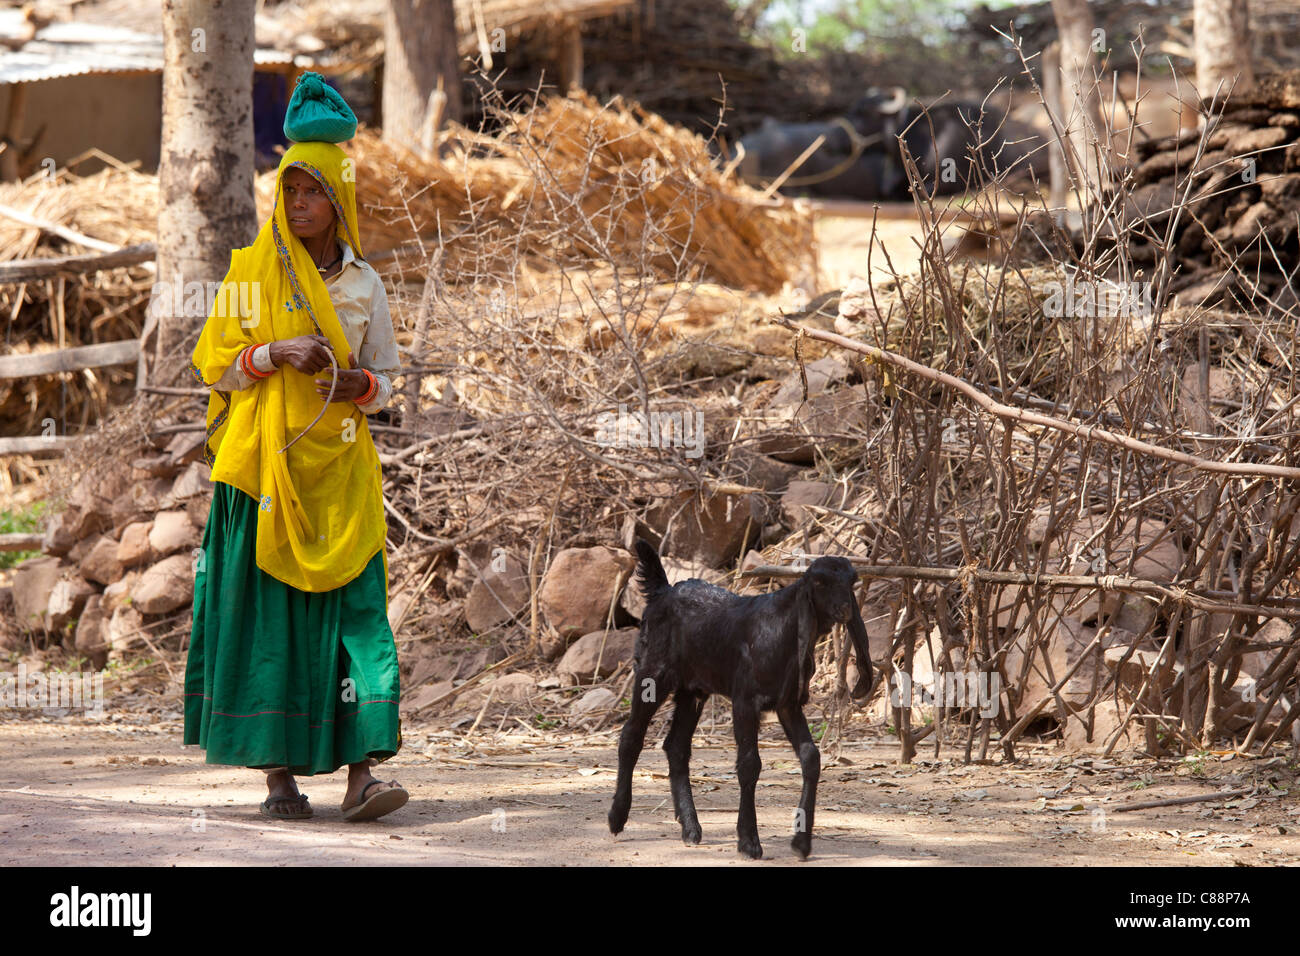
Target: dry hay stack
652,187
572,183
1237,235
116,205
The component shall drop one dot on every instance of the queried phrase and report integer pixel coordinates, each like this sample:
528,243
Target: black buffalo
860,155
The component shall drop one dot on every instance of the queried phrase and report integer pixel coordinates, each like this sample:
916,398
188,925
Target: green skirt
278,677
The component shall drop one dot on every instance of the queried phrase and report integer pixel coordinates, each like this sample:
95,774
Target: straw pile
116,205
615,183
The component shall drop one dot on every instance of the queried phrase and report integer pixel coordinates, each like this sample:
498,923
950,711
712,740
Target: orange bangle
249,369
370,393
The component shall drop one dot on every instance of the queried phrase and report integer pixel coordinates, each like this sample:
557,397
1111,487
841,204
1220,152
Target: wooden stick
1086,432
63,232
69,360
1165,589
1180,801
802,158
20,542
36,445
23,270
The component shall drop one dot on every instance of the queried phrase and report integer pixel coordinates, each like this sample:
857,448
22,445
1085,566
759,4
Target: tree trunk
1080,100
205,172
1059,188
1222,39
420,61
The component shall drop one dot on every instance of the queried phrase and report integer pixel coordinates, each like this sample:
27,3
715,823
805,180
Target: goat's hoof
616,821
802,845
752,850
691,835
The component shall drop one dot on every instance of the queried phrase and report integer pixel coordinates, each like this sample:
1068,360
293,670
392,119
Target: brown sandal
380,803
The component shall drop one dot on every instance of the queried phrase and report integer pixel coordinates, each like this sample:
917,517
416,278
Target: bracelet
246,365
369,396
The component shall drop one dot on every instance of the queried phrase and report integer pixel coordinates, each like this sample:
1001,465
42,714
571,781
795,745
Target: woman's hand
307,353
352,384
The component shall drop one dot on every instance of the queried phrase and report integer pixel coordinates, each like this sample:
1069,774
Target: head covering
321,513
317,112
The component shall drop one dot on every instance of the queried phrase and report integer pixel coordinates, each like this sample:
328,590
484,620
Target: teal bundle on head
317,113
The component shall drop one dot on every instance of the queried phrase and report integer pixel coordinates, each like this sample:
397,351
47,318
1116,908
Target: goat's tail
650,571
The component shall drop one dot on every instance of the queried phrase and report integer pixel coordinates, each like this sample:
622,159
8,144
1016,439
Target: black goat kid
698,639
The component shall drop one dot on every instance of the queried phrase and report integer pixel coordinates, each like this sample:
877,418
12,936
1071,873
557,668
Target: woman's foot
283,801
368,798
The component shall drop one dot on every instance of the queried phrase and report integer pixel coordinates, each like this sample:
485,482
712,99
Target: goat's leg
630,742
678,747
744,718
795,726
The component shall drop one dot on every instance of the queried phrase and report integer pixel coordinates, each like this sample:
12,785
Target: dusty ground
122,790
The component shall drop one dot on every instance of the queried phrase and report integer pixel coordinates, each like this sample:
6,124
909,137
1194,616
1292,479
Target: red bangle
246,364
370,392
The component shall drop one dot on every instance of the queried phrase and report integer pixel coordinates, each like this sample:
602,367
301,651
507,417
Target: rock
172,532
67,598
513,688
711,533
439,665
1273,630
119,592
133,548
799,494
1109,714
855,306
398,605
33,582
816,426
760,471
595,700
141,501
596,655
1079,546
123,631
100,564
821,375
196,479
59,539
186,447
90,642
81,549
155,466
1067,639
426,695
469,558
77,524
499,593
580,587
165,586
197,508
93,496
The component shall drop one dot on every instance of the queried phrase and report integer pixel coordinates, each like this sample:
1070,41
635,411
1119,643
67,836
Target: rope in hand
334,379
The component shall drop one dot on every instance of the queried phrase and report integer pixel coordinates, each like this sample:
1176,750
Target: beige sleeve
379,349
235,379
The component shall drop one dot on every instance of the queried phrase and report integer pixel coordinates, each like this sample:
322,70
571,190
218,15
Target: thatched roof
354,32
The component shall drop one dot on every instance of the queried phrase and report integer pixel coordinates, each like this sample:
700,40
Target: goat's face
831,582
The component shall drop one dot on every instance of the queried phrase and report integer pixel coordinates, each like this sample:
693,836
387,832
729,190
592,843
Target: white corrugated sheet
82,49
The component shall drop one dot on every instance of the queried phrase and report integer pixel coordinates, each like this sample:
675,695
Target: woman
292,667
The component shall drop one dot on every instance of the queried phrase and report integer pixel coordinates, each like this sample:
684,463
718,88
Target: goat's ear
807,614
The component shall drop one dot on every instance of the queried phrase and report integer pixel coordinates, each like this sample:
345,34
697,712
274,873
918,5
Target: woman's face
308,208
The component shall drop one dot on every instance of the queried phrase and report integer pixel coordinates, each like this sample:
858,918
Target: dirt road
82,791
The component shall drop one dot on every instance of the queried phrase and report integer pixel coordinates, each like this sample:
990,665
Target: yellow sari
320,517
